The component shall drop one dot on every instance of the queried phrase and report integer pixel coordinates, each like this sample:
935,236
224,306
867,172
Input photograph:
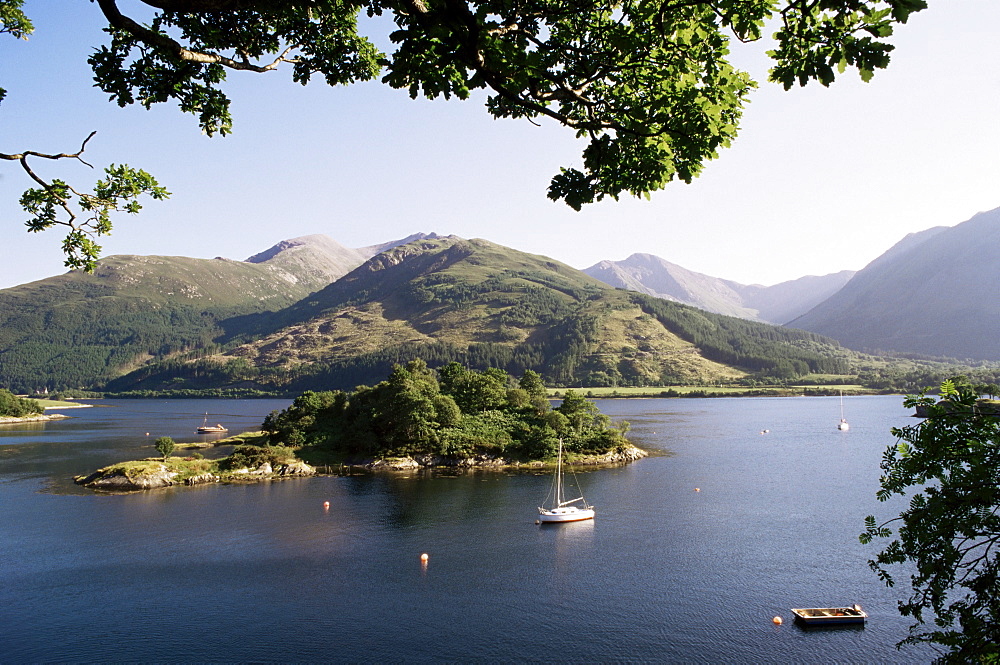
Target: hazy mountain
650,274
785,301
77,328
933,293
483,304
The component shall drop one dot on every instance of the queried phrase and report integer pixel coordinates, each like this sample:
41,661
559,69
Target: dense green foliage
647,85
464,413
949,534
253,457
17,407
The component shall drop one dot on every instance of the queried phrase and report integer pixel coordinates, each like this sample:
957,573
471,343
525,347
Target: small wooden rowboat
829,616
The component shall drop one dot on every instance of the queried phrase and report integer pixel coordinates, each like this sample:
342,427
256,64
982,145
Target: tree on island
646,84
164,445
950,533
412,412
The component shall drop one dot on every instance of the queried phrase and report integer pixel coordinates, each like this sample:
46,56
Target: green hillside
81,329
481,304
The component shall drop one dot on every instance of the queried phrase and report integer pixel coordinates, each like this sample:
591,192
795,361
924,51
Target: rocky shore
129,477
153,474
36,418
614,458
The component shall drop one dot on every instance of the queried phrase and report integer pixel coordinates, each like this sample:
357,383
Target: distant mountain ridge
76,329
486,305
308,311
777,304
933,293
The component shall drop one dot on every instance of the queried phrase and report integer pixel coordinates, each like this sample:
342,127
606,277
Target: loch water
693,552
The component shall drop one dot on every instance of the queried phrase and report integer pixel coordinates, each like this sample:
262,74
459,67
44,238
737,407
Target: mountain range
485,305
933,293
79,329
780,303
309,311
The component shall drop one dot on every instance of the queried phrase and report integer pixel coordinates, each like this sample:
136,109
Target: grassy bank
715,391
59,404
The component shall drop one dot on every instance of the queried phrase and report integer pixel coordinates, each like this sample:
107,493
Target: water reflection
15,429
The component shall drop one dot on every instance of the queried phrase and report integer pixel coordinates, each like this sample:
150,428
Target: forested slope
484,305
78,329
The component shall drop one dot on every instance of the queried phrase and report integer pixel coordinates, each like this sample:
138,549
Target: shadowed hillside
934,293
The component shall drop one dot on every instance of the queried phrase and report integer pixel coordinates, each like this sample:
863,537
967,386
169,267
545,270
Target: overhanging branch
164,43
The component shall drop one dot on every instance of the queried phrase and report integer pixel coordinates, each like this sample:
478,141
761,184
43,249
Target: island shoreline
123,477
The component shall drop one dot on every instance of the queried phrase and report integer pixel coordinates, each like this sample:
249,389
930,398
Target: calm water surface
264,573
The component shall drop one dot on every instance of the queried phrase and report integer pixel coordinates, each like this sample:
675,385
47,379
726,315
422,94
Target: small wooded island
417,417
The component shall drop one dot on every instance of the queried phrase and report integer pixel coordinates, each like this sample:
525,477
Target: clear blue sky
820,179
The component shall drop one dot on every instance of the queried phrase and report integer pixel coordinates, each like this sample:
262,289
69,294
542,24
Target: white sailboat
842,425
562,510
210,429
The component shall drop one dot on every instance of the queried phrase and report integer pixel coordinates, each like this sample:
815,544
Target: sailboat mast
559,493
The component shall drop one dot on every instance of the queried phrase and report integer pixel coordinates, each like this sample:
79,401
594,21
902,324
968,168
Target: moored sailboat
842,425
563,510
210,429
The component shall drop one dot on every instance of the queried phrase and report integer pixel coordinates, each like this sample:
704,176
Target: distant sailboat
210,429
842,425
562,510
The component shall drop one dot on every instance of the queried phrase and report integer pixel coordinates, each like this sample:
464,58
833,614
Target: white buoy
424,557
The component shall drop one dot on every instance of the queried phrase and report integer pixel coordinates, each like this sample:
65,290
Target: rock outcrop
130,477
126,479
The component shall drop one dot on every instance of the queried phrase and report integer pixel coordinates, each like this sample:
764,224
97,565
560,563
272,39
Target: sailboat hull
568,514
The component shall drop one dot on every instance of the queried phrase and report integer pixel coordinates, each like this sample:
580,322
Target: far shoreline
621,392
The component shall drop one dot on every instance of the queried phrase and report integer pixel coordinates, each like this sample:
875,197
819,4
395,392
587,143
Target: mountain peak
652,275
317,240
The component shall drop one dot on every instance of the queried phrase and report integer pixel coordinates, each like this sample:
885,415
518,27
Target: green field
715,391
54,403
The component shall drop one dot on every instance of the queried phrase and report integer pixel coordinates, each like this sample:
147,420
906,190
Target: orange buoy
424,557
326,504
697,489
777,621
